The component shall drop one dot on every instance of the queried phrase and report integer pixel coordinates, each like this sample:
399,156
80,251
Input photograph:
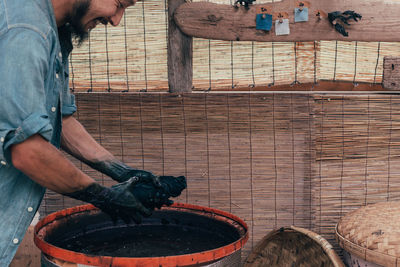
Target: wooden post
180,54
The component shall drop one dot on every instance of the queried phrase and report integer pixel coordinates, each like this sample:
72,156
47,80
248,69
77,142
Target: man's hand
117,201
155,197
140,176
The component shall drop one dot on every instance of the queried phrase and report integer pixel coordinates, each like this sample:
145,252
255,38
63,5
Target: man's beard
74,21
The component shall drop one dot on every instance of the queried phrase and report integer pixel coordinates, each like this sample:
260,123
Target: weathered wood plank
180,54
224,22
391,73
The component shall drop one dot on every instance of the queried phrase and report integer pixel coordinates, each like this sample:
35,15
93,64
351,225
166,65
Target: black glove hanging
118,201
337,16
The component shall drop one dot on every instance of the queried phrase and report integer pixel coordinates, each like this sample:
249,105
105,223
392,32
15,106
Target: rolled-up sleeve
69,106
23,65
68,99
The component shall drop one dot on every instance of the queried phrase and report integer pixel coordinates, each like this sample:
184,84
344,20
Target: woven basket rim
324,244
364,253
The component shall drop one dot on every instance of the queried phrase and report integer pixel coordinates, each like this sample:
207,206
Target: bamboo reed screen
133,57
274,159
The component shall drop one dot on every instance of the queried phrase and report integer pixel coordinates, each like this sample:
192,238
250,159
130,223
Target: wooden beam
180,54
224,22
321,86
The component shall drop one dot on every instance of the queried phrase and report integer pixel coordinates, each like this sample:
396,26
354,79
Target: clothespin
319,14
301,6
280,18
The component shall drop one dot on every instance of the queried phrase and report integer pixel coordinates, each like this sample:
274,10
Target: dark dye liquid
163,234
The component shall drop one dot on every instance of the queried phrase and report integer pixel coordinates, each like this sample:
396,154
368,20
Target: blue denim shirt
34,95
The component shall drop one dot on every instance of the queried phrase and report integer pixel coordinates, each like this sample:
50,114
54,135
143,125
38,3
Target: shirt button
2,139
15,240
3,162
30,209
59,54
57,76
53,109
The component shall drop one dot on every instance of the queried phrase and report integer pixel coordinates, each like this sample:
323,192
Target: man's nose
116,19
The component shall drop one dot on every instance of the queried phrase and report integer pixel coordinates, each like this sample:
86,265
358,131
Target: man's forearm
46,165
76,141
80,144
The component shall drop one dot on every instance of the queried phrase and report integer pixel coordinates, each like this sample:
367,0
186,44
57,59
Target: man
35,42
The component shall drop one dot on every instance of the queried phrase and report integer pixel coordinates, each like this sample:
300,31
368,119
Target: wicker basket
293,247
372,233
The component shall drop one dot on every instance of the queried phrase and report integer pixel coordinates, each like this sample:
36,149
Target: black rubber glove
121,172
117,201
154,197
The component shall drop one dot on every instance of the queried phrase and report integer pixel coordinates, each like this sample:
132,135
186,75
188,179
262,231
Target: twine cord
335,65
355,62
251,169
126,57
209,65
320,164
185,143
144,45
100,128
295,63
108,60
315,62
160,103
208,149
233,85
389,148
252,65
377,61
141,127
366,154
293,159
342,165
90,65
229,153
